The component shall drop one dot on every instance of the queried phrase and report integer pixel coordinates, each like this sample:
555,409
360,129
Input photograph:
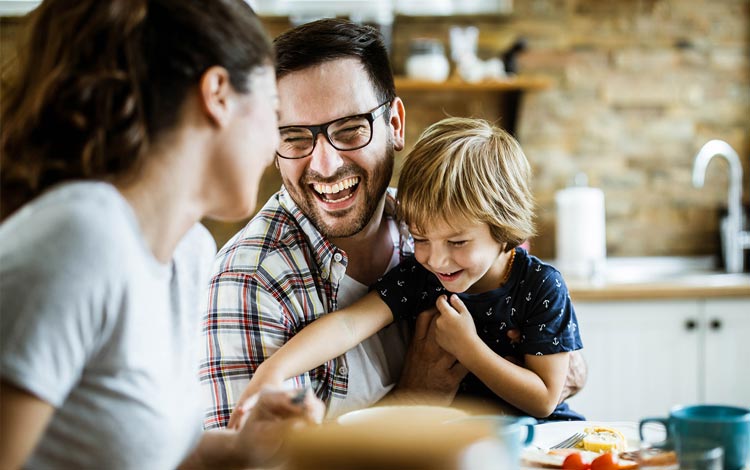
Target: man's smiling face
338,190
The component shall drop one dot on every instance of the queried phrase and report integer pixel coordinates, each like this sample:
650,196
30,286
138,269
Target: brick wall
638,87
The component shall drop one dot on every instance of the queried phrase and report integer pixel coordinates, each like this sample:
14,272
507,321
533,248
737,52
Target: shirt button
343,370
337,257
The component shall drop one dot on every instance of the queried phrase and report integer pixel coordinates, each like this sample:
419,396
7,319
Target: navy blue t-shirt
534,300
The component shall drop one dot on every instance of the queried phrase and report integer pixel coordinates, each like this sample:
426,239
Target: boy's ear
214,94
398,117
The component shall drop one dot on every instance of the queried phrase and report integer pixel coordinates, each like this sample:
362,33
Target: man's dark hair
329,39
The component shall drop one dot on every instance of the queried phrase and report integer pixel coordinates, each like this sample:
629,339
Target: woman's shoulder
79,238
69,219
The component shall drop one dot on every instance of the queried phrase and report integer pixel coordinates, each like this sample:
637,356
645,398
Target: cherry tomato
574,462
604,462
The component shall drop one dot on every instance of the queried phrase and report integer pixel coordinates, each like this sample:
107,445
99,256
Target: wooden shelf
517,83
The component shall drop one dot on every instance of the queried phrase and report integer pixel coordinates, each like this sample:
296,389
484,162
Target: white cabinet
646,356
727,351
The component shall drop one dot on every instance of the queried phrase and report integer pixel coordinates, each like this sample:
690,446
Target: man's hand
430,374
578,372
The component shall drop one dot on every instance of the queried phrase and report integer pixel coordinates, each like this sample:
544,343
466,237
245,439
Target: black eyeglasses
346,133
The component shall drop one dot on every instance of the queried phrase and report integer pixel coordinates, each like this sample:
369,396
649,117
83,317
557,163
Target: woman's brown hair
97,81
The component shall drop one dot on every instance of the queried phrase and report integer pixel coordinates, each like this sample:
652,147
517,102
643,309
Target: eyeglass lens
348,133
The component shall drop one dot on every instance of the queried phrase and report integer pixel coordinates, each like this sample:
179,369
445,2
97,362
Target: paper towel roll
581,235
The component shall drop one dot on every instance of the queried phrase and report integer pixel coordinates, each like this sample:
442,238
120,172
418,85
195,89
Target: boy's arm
577,369
534,389
322,340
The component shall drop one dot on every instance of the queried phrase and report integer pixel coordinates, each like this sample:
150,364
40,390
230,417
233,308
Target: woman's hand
455,328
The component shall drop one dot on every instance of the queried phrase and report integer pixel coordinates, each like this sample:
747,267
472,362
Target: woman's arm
23,418
322,340
534,389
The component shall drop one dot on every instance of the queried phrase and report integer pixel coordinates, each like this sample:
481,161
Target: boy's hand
455,326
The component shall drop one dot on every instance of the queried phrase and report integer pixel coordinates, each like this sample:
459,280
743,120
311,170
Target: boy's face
338,190
463,256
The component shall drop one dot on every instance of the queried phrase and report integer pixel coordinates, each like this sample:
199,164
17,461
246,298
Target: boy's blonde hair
465,169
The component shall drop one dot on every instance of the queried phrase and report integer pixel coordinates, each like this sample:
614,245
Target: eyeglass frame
370,116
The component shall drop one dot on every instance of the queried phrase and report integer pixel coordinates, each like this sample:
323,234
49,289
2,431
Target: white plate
402,414
548,434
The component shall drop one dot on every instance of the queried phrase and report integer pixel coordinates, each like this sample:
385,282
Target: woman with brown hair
127,122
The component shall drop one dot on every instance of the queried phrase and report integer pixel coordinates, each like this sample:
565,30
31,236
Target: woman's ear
215,92
398,117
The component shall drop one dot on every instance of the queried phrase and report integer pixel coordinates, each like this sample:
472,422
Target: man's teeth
337,187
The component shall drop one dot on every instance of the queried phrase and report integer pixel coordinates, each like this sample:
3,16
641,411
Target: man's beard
356,218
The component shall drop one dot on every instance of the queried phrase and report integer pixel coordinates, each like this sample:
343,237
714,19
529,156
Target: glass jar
427,60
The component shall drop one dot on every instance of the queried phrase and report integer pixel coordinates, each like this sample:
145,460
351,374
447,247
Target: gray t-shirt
94,325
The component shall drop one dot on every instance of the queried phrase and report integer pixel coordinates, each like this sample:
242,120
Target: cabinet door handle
690,324
715,324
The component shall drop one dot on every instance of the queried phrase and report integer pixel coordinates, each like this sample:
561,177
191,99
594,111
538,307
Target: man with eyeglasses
326,236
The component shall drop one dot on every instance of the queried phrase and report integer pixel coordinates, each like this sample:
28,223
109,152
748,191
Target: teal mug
722,426
514,432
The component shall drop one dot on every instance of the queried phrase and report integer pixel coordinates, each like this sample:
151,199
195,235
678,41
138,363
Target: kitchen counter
660,278
698,286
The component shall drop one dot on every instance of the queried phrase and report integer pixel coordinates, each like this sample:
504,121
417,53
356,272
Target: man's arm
430,375
243,325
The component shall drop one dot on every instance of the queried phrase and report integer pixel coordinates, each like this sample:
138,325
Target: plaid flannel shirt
275,276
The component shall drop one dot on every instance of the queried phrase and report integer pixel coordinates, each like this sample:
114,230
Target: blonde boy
464,195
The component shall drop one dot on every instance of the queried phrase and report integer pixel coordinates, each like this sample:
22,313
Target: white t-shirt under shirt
375,364
94,325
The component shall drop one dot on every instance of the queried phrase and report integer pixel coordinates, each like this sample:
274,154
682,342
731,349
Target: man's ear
398,118
215,93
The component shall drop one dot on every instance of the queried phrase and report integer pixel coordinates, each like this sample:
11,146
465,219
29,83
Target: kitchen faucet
733,236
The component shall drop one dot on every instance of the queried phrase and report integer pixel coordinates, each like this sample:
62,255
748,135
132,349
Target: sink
688,271
658,268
